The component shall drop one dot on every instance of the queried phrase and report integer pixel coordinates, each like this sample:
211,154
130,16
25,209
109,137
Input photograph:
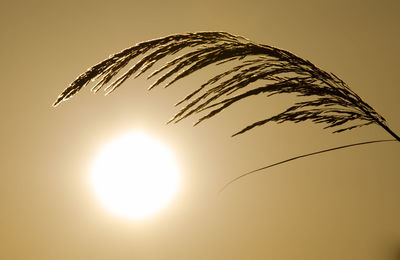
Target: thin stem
305,155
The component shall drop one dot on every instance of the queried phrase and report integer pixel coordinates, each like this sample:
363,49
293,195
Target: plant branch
301,156
262,70
389,131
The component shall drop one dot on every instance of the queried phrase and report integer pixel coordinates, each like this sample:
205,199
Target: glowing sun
134,175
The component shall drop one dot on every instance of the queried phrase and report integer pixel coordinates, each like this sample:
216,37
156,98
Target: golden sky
340,205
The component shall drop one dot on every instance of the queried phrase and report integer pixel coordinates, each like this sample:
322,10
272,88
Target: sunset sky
340,205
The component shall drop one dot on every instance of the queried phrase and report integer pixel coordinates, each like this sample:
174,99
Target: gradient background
340,205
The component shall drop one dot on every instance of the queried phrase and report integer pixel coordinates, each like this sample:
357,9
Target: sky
339,205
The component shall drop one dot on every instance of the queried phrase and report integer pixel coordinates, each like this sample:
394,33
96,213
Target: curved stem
306,155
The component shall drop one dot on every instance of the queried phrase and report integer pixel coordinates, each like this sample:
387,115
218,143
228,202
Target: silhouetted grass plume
278,71
326,98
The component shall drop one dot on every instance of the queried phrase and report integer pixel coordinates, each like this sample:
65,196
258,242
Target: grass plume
277,71
326,98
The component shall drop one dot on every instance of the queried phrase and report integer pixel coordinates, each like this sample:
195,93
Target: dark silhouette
280,71
328,99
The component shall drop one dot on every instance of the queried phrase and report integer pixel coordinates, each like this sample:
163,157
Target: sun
135,175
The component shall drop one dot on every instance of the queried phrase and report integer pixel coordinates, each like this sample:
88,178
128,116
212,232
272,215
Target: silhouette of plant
326,98
279,71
